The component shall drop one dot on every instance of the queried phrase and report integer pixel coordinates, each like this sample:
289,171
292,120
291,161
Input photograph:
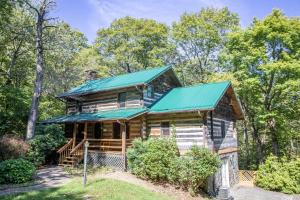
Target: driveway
244,192
48,177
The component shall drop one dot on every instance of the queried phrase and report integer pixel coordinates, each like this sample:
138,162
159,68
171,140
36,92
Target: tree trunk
33,115
258,145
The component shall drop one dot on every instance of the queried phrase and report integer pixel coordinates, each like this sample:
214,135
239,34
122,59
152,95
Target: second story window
165,128
122,99
150,91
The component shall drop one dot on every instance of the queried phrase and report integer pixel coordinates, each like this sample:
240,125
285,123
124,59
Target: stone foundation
215,182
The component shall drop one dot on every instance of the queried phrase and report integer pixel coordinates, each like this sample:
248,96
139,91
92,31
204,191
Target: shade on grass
104,189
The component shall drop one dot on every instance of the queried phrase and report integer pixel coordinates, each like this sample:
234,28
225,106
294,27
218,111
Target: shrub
16,171
159,160
151,159
279,175
195,167
47,140
12,147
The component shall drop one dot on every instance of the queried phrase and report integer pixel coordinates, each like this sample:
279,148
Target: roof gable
198,97
117,82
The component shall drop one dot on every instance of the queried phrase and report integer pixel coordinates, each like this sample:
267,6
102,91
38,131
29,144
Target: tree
40,10
16,58
265,61
199,38
131,44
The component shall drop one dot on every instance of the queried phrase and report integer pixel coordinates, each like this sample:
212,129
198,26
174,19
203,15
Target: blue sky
90,15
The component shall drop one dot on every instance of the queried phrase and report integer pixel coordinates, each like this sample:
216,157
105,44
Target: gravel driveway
48,177
242,192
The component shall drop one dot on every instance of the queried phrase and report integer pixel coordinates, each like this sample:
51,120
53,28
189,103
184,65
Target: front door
225,173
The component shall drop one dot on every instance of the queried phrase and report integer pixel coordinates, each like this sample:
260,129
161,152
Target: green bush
280,175
159,160
16,171
47,140
151,159
195,167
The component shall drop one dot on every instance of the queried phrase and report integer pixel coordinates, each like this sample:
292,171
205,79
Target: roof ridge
200,84
124,74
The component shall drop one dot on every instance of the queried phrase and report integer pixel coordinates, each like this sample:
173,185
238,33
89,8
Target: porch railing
65,151
108,145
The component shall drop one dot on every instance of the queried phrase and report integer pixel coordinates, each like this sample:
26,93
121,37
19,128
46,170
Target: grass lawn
104,189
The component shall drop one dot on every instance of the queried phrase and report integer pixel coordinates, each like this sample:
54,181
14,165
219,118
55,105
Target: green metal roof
198,97
121,81
124,114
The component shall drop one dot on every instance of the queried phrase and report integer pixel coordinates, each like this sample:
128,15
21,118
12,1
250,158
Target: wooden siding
135,127
187,127
104,101
161,85
222,114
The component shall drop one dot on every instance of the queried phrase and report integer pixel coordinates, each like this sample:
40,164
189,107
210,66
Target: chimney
90,75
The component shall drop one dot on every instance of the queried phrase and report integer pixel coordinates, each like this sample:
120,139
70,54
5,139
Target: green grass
104,189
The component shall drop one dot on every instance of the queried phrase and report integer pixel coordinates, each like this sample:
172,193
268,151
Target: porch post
74,134
85,131
123,128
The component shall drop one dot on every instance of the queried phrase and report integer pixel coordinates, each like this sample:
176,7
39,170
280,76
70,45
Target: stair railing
78,151
65,151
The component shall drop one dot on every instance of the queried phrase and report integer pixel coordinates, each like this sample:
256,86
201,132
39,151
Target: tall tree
199,38
265,61
131,44
40,11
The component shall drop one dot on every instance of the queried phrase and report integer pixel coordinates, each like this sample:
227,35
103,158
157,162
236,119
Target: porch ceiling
120,114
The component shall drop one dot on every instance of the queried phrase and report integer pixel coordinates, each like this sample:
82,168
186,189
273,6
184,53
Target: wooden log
74,134
124,146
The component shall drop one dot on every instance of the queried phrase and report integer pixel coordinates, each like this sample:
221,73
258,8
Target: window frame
122,104
165,126
150,91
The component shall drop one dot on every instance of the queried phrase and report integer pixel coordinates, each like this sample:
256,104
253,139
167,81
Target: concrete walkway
244,192
48,177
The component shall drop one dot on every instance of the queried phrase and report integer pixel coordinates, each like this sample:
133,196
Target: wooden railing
108,145
65,151
78,151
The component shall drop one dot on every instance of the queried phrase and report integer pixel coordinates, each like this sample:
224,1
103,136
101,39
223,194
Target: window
150,91
165,128
122,99
223,131
116,131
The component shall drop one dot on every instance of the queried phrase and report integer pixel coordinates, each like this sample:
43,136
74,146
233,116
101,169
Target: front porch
108,142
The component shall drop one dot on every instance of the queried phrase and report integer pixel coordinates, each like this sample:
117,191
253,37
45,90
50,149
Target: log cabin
110,112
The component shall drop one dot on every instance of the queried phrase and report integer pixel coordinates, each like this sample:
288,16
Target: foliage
199,37
265,61
146,159
131,44
159,160
197,165
281,175
16,171
110,190
47,140
12,147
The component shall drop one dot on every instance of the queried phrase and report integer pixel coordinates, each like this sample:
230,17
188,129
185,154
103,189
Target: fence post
86,145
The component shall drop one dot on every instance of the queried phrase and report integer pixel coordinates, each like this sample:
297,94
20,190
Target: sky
88,16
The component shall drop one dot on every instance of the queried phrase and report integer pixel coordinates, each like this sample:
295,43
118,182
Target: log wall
104,101
187,128
222,114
